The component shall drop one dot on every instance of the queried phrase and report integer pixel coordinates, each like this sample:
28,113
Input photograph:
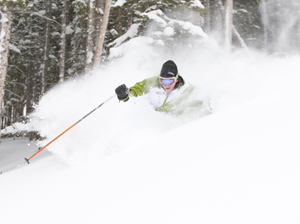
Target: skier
167,92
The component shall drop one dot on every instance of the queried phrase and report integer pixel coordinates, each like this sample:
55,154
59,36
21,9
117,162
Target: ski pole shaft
27,160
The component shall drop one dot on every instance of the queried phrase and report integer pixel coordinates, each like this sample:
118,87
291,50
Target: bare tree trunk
6,19
195,18
228,23
207,24
129,18
100,41
45,61
29,94
100,4
239,38
63,42
265,21
90,36
119,19
217,19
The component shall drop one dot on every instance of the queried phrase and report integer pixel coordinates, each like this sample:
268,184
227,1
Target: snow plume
281,25
112,128
116,125
223,79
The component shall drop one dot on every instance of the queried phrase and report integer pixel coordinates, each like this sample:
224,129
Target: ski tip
27,160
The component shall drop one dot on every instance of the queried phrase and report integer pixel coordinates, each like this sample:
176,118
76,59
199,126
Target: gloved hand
122,92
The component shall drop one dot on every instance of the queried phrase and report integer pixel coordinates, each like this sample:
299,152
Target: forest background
46,42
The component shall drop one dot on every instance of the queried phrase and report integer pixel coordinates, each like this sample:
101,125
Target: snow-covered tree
90,43
62,53
167,23
75,62
6,13
46,47
23,84
247,21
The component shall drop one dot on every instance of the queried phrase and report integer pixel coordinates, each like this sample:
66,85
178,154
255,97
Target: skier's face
169,87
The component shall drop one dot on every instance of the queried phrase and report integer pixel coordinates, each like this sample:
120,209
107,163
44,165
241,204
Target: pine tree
75,63
6,10
135,17
90,44
62,53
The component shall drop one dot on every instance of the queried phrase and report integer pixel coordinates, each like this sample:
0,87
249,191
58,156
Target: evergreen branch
11,41
44,17
18,83
13,93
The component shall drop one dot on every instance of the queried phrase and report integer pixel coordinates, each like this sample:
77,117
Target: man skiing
167,92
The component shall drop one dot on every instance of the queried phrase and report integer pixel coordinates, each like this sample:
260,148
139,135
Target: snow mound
239,164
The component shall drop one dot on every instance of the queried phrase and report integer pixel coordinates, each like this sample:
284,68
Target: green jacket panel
143,87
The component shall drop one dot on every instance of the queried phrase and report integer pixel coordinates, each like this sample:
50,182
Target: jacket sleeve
143,87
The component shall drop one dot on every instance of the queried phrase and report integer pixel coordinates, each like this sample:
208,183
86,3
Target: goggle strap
176,77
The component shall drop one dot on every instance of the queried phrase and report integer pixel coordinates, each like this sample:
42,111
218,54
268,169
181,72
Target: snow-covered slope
240,165
126,163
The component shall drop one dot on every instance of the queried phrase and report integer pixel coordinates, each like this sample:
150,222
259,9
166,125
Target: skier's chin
168,89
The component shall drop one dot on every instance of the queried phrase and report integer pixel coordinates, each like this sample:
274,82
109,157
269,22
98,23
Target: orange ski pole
27,160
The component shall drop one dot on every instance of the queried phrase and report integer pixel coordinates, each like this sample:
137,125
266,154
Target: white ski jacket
177,101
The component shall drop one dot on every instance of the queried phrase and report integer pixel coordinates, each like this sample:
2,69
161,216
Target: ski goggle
169,81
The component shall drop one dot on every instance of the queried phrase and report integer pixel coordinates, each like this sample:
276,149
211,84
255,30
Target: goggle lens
167,81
